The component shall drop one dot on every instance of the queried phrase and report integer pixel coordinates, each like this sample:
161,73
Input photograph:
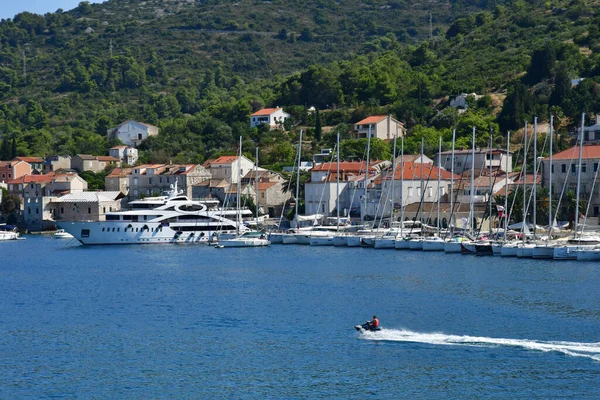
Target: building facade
274,117
484,158
132,133
380,126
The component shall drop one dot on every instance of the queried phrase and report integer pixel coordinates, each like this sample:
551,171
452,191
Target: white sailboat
452,245
436,243
248,238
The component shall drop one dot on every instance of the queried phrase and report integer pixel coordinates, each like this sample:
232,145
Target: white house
128,155
274,117
483,159
591,134
380,126
229,168
320,193
132,133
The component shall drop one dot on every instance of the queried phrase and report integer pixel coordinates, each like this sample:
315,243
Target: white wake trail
574,349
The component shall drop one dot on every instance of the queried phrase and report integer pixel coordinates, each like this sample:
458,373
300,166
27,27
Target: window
564,168
89,210
149,181
595,166
596,211
103,210
103,229
573,168
552,168
583,167
410,191
139,136
37,210
85,233
29,211
429,192
62,210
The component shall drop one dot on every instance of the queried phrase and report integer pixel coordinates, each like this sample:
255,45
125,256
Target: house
320,192
230,168
564,173
412,183
55,163
380,126
483,182
304,166
591,134
211,188
38,191
272,193
13,170
460,101
156,179
37,163
127,154
274,117
497,158
132,133
86,206
414,158
118,180
86,162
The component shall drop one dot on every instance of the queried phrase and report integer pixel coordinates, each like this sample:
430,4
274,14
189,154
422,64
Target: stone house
230,168
132,133
55,163
86,206
380,126
126,154
483,159
37,163
86,162
13,170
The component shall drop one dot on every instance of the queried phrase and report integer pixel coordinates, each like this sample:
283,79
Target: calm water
178,321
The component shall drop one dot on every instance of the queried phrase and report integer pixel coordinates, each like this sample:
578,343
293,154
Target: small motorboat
62,234
366,327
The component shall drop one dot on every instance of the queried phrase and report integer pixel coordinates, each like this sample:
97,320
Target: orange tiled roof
374,119
265,185
265,111
107,158
32,179
592,151
412,171
345,166
225,160
30,159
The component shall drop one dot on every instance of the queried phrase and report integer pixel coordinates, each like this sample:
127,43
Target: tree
542,65
318,128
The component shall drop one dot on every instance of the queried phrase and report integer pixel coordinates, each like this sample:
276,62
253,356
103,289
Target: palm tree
571,201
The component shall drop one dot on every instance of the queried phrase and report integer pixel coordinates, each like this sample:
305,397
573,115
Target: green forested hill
199,68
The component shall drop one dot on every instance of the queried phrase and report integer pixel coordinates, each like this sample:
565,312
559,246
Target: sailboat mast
550,181
491,185
472,190
401,185
505,213
393,177
239,188
367,173
451,224
438,184
337,184
524,177
534,175
298,177
256,187
422,188
579,173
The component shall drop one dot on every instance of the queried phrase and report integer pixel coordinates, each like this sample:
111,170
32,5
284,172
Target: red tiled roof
118,147
266,185
107,158
265,111
120,173
371,120
225,160
207,163
592,151
32,179
412,171
30,159
518,179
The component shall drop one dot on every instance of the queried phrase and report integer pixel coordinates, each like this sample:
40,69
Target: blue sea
191,321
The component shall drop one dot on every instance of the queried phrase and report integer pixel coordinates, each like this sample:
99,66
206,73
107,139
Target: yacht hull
543,252
452,247
340,241
321,241
385,243
433,245
353,241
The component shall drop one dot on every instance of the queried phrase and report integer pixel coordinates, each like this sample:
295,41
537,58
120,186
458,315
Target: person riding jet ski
372,325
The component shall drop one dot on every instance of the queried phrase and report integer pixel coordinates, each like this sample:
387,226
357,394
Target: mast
550,182
491,185
401,186
393,177
298,178
367,174
524,176
422,188
579,172
438,184
256,186
472,190
534,175
505,213
451,225
239,188
337,184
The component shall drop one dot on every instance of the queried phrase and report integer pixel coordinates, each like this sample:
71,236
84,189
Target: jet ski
367,327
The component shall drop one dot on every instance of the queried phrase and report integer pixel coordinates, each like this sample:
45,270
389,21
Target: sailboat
436,243
248,238
452,245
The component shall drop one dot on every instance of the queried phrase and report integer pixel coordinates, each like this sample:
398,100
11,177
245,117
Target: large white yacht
164,219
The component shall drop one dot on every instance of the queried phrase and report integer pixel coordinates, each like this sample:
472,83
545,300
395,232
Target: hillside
199,68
